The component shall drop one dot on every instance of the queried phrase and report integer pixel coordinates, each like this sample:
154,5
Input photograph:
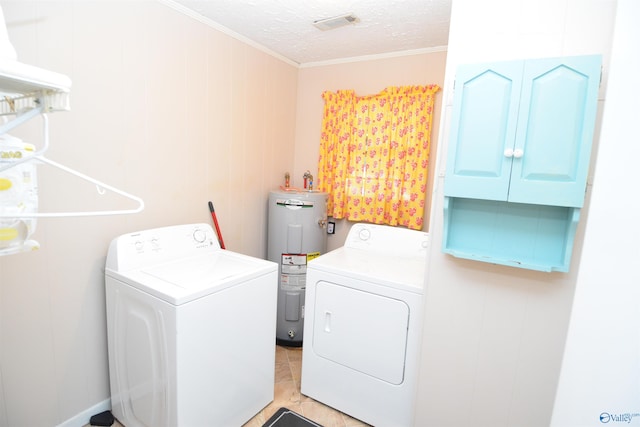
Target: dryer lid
403,273
389,256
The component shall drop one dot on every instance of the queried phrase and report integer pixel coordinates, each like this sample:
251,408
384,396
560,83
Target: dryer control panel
396,241
150,247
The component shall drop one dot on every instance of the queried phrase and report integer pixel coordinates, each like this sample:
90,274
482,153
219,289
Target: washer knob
199,235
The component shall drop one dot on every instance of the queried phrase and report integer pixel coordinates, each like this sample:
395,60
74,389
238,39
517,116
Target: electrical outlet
331,227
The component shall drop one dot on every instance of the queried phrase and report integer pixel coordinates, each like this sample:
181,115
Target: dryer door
360,330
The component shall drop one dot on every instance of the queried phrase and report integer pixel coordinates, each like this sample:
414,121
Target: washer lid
187,279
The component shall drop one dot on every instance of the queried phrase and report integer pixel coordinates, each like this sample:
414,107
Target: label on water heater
293,272
312,255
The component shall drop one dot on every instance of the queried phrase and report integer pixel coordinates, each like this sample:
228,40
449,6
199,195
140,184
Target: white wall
600,378
494,336
163,107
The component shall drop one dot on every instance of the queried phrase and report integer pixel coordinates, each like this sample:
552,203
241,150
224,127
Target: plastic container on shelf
18,195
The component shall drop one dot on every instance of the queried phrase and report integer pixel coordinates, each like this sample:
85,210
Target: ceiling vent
336,22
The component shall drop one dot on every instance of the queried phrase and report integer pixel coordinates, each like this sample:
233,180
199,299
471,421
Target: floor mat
287,418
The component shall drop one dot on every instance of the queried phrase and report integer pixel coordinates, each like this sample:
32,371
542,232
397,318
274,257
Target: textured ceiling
286,26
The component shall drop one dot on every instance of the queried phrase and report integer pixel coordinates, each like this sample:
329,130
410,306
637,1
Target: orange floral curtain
374,154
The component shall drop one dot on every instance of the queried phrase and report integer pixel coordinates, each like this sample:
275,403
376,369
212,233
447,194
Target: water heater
296,235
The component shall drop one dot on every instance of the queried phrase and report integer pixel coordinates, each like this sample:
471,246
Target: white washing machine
190,329
363,324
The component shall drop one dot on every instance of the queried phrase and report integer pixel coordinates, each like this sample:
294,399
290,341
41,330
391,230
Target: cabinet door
483,126
555,130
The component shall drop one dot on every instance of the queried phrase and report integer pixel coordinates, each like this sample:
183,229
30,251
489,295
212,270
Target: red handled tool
215,222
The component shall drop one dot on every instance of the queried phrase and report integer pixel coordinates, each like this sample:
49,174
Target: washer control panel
158,245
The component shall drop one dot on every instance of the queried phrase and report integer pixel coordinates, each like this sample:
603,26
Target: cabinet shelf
535,237
24,87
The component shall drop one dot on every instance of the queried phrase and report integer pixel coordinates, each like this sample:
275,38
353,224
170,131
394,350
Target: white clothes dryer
190,329
363,324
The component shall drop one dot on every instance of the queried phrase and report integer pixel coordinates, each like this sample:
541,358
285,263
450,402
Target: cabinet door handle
517,153
508,152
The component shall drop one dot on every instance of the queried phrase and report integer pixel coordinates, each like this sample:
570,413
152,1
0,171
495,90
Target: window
374,154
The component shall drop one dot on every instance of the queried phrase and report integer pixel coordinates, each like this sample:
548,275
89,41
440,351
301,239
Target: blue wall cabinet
521,133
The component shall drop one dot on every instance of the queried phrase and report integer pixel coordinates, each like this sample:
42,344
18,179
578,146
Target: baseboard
82,419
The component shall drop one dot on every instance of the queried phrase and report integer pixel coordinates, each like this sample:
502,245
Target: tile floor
287,394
